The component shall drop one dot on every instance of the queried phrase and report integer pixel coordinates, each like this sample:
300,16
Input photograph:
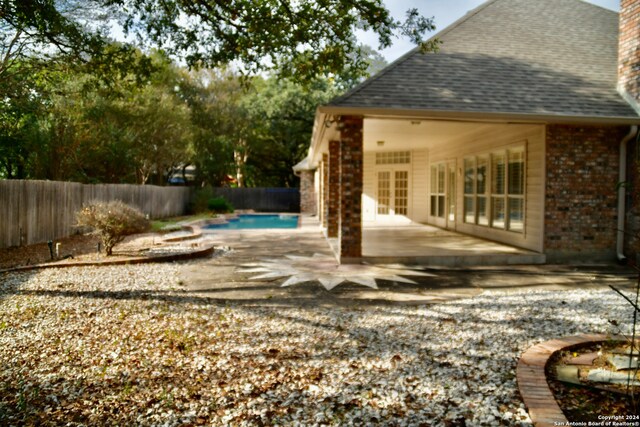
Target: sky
445,12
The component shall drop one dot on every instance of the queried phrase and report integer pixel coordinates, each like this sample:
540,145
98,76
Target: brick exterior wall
351,151
324,190
307,192
581,196
629,49
333,202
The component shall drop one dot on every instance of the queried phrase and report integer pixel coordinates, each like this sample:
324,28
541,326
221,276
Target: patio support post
307,192
324,192
333,203
351,151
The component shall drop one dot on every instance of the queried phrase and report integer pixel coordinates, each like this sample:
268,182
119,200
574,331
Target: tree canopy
296,39
76,105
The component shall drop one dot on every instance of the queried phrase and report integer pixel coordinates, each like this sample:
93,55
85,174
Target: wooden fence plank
39,211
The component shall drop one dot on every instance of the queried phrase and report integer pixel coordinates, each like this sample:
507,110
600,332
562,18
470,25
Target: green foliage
219,205
67,124
296,39
76,106
199,202
283,114
174,224
112,221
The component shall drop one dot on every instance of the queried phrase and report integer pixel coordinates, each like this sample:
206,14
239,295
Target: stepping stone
610,377
568,374
621,362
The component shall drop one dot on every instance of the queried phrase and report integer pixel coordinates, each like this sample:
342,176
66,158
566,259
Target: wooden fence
37,211
262,199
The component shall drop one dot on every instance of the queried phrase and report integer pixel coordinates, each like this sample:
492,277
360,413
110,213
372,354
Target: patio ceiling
395,134
387,134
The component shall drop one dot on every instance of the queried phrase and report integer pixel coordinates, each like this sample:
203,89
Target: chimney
629,52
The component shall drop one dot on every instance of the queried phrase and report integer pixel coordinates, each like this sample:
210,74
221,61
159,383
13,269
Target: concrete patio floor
419,244
432,246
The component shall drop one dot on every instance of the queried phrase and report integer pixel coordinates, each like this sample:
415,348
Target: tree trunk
240,156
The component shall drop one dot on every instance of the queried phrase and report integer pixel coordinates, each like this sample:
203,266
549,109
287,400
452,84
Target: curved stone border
196,232
532,381
207,250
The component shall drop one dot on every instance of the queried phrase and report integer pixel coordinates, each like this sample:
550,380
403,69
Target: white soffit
416,134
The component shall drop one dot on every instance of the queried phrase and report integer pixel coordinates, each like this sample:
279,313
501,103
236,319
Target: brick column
350,187
333,202
307,192
324,193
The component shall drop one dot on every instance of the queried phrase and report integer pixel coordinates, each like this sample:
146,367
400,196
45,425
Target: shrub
200,201
112,221
219,205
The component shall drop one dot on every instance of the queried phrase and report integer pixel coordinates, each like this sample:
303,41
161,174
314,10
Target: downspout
622,192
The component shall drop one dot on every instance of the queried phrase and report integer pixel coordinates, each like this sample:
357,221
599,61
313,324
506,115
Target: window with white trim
494,189
393,157
437,200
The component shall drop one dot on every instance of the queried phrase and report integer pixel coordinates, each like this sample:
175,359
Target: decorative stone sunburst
327,271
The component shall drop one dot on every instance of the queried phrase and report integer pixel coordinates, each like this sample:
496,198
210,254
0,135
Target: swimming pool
256,221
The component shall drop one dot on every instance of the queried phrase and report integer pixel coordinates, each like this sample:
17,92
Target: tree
253,130
161,130
218,120
39,33
298,39
282,112
66,123
20,108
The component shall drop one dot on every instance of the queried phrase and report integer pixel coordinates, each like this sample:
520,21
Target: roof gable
542,57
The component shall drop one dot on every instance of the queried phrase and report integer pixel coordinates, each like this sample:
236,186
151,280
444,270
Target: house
517,131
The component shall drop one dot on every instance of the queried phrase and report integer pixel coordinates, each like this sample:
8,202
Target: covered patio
429,192
421,244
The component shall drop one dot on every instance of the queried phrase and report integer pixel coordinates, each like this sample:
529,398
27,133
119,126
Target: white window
475,190
500,204
437,200
393,157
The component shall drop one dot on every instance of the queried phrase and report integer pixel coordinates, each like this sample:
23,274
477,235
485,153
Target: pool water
251,221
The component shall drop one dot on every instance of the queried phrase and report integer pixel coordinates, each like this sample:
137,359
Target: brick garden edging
532,381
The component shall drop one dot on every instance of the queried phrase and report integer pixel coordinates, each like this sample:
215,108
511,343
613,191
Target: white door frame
392,216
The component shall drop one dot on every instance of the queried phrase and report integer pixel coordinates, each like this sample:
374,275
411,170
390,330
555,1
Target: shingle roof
541,57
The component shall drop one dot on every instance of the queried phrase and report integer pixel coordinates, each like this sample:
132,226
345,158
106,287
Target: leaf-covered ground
128,345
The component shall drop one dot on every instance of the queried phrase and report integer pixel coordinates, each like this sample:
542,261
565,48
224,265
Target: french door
393,193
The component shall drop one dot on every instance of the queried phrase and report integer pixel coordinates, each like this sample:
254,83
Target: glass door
392,193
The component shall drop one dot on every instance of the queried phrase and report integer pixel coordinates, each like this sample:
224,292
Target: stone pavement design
262,266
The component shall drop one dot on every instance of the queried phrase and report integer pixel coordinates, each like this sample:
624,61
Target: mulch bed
80,248
77,245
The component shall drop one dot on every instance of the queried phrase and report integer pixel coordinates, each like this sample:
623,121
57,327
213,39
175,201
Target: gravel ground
127,345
